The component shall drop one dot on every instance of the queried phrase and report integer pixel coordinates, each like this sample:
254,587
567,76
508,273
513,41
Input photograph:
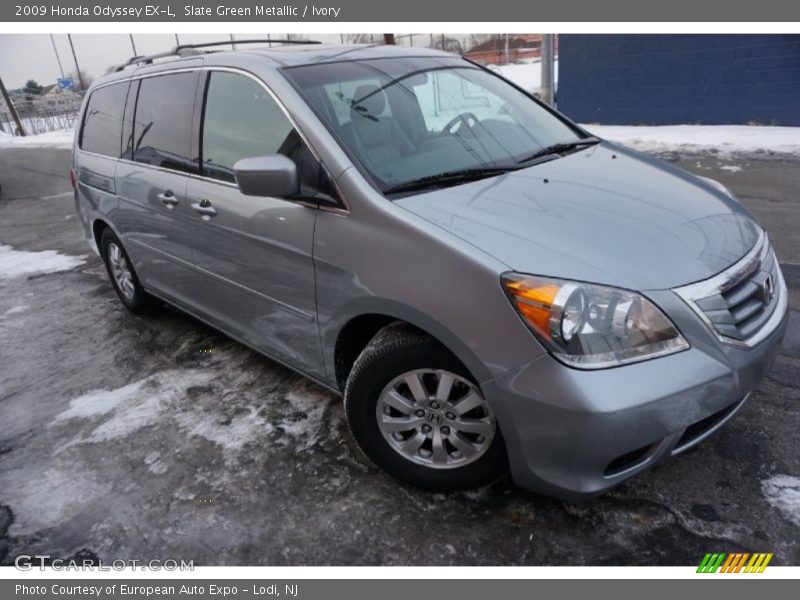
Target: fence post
11,108
548,60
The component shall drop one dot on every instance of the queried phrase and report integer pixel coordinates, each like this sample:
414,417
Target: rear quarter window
101,131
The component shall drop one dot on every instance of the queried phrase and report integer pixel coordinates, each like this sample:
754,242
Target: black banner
208,11
729,588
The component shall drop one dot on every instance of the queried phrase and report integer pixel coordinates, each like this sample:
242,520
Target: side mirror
274,175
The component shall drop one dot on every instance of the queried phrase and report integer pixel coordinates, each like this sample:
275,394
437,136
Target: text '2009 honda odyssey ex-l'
488,286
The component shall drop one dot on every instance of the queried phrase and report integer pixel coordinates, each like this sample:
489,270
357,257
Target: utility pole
388,39
507,57
233,43
75,58
133,46
548,65
11,108
58,58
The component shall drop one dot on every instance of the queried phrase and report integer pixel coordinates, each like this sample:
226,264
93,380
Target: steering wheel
462,119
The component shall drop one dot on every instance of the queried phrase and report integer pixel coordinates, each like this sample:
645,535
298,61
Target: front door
253,255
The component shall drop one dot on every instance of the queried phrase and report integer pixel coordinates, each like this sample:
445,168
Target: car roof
316,53
289,55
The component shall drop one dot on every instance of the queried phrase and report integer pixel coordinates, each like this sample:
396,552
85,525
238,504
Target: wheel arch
345,341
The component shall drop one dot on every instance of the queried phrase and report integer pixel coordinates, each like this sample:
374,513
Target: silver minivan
489,287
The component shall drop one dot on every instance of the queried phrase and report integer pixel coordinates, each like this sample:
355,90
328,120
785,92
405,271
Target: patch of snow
155,465
50,497
527,75
233,436
100,402
51,139
133,406
783,492
16,310
155,399
312,404
721,139
16,263
731,168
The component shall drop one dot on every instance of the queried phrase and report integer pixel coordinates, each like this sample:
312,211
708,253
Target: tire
447,460
122,275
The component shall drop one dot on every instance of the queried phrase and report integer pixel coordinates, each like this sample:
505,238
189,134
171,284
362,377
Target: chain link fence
40,113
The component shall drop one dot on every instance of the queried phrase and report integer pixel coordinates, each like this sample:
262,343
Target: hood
604,214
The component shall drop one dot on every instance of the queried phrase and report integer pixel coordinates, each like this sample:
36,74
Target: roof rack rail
190,49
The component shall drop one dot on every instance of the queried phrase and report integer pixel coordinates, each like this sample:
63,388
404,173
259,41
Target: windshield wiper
562,147
448,178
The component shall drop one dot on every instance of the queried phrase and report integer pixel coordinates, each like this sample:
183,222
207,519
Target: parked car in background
486,284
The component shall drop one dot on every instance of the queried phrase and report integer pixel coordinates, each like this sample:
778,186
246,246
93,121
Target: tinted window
102,121
242,121
162,132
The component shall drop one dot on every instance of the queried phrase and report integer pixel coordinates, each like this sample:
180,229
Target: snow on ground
783,492
117,413
51,139
720,139
17,263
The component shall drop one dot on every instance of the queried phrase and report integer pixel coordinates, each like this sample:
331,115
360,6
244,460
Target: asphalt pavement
126,437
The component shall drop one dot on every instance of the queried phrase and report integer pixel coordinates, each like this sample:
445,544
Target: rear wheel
122,275
416,412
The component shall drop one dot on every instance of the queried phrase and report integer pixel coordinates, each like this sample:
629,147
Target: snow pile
16,263
51,139
720,139
783,492
528,75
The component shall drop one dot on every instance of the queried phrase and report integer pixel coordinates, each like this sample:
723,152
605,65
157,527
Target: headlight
591,326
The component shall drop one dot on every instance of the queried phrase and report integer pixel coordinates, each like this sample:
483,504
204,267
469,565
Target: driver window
241,120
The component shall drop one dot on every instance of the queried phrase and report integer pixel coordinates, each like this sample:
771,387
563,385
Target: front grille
738,303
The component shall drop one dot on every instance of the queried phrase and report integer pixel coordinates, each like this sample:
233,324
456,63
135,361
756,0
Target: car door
253,254
151,182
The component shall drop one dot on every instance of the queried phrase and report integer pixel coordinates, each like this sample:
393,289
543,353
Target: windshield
409,119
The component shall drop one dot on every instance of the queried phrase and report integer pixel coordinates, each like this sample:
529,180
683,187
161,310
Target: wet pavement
124,437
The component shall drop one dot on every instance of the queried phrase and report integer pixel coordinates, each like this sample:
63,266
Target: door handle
204,208
168,198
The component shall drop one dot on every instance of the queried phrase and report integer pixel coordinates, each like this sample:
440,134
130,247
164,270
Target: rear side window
241,120
102,122
162,131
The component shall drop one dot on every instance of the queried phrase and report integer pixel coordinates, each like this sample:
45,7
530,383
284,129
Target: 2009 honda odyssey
489,286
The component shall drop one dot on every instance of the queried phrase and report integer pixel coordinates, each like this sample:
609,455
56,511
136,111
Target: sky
31,56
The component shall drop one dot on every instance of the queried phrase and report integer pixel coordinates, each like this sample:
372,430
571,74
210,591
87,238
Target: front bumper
573,434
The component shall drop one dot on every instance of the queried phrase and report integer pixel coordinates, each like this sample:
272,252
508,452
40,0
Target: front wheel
416,412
